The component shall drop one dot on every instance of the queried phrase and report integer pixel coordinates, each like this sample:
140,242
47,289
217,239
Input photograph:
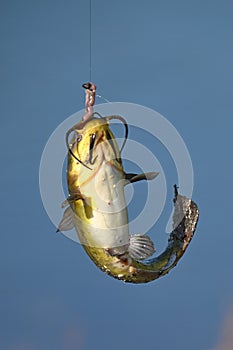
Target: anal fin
141,247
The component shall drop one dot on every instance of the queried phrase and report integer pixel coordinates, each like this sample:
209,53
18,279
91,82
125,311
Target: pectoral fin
72,198
67,222
140,247
138,177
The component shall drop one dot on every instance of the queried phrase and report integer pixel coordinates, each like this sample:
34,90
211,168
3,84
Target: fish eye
79,137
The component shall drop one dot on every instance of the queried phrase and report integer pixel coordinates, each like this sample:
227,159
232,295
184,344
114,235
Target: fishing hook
108,118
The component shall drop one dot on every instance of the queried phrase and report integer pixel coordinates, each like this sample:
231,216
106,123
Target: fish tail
185,218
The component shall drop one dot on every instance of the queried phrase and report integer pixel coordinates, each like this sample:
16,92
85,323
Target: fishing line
90,48
103,98
90,38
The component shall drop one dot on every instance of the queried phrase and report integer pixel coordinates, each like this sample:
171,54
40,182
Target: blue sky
172,56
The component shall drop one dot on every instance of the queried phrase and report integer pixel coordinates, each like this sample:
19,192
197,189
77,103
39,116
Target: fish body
98,211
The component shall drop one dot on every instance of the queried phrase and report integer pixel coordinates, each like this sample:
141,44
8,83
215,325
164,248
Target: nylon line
90,39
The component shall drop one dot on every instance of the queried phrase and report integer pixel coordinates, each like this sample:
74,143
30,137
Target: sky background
172,56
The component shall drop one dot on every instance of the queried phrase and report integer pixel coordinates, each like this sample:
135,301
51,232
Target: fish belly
108,225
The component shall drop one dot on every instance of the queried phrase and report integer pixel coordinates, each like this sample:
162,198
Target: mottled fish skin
104,172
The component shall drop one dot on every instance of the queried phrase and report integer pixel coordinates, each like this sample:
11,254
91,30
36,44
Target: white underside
108,228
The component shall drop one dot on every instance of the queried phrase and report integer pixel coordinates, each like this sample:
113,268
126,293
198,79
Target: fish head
93,145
